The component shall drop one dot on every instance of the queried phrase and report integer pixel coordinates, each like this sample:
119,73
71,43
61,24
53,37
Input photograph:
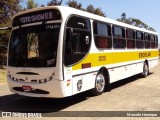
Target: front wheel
145,70
99,84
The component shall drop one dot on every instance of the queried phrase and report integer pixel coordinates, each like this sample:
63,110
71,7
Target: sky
145,10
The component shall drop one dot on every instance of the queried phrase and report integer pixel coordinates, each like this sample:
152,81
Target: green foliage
4,37
78,5
74,4
123,16
31,4
135,22
7,9
99,12
54,2
90,8
151,29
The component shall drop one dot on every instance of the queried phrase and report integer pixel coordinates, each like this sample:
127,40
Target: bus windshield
34,46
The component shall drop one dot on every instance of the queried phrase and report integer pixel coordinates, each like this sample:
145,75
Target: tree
90,8
99,12
74,4
151,29
7,10
135,22
4,37
31,4
54,2
42,5
123,16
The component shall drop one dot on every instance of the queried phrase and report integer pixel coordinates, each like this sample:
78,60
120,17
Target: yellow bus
61,51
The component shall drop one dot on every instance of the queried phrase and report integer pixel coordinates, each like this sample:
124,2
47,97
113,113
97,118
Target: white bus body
64,68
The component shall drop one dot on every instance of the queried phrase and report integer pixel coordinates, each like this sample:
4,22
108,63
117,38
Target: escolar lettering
143,55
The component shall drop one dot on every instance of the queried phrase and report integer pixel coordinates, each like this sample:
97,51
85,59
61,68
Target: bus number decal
102,58
52,27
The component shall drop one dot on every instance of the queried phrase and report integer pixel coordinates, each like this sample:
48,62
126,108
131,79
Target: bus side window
156,41
119,41
103,43
146,41
139,40
77,39
102,35
153,41
130,35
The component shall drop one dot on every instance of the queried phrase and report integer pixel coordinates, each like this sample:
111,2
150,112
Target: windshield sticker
52,27
50,62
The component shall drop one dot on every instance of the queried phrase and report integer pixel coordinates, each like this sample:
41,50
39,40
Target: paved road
132,94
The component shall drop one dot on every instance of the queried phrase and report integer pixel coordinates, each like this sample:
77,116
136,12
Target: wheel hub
100,83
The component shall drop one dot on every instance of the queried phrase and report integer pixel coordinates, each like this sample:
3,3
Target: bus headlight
46,79
42,81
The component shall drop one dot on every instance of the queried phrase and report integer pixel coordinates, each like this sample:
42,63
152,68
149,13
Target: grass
3,75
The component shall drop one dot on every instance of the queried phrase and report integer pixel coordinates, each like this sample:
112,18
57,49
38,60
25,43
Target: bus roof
67,11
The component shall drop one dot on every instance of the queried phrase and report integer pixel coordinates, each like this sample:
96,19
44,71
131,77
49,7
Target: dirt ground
132,94
2,75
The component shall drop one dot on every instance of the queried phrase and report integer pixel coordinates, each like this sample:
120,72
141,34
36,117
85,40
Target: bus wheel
145,70
99,84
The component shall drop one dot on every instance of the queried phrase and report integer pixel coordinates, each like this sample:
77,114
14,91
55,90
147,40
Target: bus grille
32,81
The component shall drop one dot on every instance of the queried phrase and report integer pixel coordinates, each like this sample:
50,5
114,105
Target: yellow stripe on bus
100,59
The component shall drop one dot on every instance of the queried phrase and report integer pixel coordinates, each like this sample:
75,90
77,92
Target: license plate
26,87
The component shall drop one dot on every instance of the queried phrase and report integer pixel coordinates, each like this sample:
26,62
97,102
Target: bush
3,56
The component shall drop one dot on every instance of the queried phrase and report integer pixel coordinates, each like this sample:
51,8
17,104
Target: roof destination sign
38,16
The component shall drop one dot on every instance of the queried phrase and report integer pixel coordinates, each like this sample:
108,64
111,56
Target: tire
100,84
145,72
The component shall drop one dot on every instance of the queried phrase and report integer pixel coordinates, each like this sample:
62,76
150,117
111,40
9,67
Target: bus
58,51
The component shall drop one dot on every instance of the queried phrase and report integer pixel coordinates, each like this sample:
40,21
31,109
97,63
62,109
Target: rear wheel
100,83
145,70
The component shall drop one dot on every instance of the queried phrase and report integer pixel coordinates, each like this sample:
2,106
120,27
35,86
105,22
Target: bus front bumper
50,89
